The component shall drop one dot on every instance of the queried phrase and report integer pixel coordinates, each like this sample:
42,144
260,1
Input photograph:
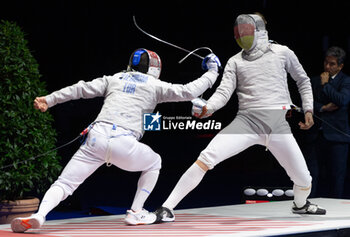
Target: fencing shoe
19,225
308,208
142,217
164,215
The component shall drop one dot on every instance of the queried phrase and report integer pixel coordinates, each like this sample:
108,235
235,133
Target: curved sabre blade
163,41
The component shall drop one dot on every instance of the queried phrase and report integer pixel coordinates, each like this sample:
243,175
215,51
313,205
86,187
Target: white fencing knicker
264,127
111,144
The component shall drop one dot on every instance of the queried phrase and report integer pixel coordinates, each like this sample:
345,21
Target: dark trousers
327,162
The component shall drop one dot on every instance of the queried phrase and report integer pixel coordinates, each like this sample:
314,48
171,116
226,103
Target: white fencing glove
197,107
211,62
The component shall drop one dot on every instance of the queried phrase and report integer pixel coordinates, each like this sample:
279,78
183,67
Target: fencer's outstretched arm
167,92
80,90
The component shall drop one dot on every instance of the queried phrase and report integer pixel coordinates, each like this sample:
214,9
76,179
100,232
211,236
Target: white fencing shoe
142,217
21,224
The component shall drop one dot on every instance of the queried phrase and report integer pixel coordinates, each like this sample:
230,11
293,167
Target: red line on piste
185,225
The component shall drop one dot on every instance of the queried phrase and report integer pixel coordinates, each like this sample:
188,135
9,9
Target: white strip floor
262,219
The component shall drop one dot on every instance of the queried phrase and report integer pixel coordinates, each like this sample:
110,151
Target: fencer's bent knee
66,191
157,165
303,180
68,185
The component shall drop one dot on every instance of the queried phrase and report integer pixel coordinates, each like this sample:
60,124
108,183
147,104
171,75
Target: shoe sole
133,222
308,213
165,220
20,225
168,219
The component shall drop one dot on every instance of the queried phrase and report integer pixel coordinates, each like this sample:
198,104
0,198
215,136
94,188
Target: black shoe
309,208
164,215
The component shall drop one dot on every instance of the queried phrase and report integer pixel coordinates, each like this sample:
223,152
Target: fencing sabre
172,45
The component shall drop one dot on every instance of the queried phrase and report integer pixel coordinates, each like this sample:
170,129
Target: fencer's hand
199,108
211,62
324,78
41,104
329,107
309,121
204,113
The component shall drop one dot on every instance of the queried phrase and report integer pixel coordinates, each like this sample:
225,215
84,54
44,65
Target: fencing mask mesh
244,29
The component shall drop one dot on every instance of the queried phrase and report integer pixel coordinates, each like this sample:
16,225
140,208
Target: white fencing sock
52,198
145,185
300,195
189,180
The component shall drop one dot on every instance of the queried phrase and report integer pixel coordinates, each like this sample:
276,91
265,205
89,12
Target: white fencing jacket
261,83
128,95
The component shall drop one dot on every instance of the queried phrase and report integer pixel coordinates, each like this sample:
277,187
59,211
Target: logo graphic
152,121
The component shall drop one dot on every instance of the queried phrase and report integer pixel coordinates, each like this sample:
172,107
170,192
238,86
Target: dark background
82,40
